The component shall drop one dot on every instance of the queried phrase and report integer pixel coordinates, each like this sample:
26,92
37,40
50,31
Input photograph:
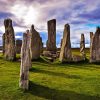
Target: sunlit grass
53,81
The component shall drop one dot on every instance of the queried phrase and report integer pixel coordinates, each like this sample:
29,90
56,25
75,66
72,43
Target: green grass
53,81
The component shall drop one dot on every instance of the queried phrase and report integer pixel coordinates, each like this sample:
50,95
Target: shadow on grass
41,60
53,94
81,64
55,73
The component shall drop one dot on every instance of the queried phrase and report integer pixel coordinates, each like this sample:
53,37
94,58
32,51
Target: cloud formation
82,15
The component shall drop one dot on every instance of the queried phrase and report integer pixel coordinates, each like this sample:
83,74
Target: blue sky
82,15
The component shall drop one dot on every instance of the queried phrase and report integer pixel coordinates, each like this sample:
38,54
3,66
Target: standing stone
25,62
41,45
51,42
3,45
35,44
95,47
91,39
10,52
18,46
82,46
66,53
61,42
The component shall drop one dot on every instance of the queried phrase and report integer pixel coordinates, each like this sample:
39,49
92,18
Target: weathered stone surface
61,42
3,43
25,62
41,46
91,39
47,53
51,42
65,53
10,52
18,46
77,58
95,47
36,44
82,47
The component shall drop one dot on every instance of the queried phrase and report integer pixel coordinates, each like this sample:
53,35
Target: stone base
50,54
77,58
94,61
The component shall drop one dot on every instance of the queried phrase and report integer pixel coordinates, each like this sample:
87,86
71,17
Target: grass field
51,81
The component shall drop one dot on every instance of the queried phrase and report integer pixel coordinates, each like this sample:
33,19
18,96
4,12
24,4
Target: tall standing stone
51,42
9,52
35,44
25,62
41,46
82,46
18,46
3,45
66,53
95,47
91,40
61,42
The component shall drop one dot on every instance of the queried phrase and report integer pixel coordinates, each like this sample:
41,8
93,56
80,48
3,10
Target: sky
82,15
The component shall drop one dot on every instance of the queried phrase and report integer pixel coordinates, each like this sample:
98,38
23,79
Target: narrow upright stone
18,46
91,40
65,53
95,47
82,47
61,43
3,43
51,42
25,62
9,52
41,46
35,44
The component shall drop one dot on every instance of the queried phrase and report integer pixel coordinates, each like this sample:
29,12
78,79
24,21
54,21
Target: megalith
3,43
35,44
95,47
91,39
82,47
18,46
51,42
25,62
9,42
66,53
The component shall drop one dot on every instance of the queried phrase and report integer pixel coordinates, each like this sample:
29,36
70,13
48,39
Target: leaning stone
25,62
66,53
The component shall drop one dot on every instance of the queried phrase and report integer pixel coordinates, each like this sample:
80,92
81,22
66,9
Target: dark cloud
4,15
92,15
